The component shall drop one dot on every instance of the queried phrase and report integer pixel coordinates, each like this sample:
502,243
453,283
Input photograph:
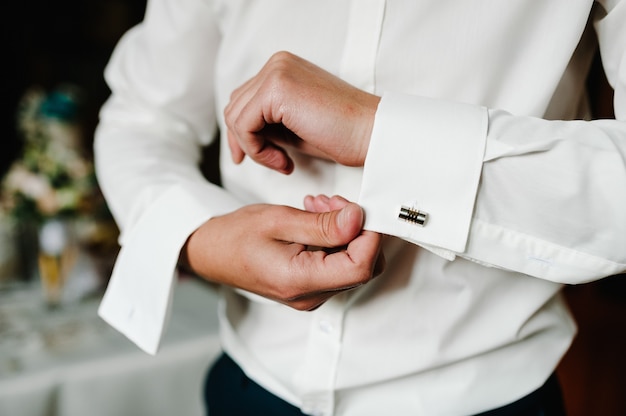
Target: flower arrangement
49,198
53,178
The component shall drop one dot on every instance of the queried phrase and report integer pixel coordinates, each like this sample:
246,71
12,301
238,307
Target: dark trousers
229,392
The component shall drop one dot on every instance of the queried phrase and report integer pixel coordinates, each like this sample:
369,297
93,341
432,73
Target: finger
322,203
321,229
337,202
264,152
309,302
241,95
309,203
246,120
341,270
249,128
236,152
363,249
357,262
238,99
319,203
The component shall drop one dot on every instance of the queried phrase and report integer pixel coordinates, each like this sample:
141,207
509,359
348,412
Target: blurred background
58,241
57,246
48,43
53,217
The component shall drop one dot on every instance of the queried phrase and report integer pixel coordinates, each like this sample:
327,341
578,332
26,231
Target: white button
326,327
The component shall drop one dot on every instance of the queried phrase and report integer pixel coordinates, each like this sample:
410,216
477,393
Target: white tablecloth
68,362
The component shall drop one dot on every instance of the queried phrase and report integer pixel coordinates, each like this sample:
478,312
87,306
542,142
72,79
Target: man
457,129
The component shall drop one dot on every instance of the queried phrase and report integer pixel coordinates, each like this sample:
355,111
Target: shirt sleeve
147,149
544,198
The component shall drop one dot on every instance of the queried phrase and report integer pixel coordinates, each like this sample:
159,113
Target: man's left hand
292,103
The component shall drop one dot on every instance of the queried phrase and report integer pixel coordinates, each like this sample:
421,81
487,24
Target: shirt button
326,327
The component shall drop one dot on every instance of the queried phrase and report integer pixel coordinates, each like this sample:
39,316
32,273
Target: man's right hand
264,249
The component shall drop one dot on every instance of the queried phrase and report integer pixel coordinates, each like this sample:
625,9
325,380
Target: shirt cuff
138,295
426,155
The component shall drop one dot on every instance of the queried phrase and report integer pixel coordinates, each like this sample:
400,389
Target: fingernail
343,218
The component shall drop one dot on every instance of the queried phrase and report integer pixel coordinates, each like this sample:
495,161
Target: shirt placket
317,376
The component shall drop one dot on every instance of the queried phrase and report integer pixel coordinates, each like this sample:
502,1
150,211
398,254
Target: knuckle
300,306
304,305
364,273
364,278
280,67
290,296
360,274
281,57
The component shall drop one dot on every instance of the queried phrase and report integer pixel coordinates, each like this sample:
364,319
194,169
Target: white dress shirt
474,128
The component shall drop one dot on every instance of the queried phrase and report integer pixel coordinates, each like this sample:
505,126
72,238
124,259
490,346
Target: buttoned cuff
425,156
138,296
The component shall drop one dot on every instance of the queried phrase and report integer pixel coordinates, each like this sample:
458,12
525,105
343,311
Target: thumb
343,225
325,229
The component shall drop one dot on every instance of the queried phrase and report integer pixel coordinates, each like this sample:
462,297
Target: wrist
370,105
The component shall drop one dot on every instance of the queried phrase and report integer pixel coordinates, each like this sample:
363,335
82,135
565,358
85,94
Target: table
68,362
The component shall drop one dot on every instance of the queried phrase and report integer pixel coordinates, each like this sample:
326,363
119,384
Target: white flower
28,183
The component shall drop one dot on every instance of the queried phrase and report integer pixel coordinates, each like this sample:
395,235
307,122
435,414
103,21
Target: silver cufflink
413,215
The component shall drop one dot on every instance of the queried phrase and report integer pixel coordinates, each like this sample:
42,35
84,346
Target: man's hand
292,103
264,249
323,203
